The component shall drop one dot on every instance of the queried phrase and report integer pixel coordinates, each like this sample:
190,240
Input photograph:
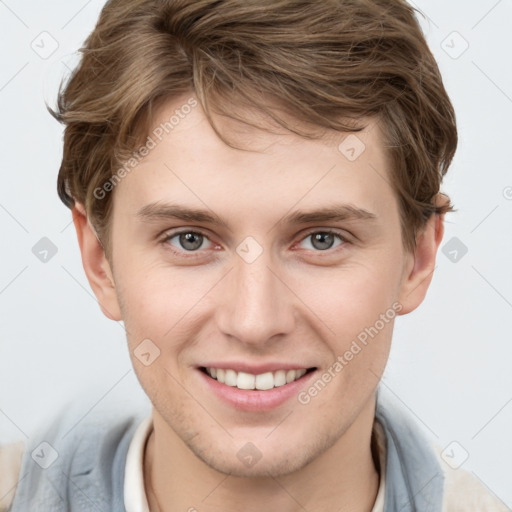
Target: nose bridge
256,305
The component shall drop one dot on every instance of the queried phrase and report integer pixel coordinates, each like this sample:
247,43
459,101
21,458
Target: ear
419,269
96,265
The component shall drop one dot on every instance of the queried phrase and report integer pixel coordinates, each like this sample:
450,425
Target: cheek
349,299
358,304
361,314
156,299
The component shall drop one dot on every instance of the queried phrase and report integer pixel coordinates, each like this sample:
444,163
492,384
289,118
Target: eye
323,240
189,241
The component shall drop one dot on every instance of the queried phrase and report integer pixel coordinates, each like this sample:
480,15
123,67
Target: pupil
191,241
323,241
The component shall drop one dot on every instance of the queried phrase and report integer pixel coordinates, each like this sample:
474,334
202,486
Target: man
255,189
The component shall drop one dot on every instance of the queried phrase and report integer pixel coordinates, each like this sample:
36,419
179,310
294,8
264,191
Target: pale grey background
451,359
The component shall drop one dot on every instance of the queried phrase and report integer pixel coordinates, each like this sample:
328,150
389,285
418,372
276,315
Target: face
243,266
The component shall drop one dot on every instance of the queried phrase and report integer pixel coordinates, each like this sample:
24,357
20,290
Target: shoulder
464,492
70,452
10,463
413,458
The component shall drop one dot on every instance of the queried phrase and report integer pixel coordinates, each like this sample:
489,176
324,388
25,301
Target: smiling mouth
261,382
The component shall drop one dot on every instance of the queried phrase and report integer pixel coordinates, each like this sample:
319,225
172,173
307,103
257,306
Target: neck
342,478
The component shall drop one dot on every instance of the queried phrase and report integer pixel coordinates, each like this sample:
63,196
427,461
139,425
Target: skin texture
294,303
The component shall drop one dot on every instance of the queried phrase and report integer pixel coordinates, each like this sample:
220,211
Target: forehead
188,162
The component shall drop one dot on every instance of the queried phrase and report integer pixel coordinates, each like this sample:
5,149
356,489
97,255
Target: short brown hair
327,63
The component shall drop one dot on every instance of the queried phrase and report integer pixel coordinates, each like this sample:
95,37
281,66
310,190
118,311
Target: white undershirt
135,495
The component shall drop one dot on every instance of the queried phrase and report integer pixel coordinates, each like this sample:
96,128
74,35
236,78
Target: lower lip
253,399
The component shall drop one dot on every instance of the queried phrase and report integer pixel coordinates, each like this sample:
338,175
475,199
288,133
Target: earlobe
96,265
420,268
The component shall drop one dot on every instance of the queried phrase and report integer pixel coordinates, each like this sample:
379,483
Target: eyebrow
340,212
164,211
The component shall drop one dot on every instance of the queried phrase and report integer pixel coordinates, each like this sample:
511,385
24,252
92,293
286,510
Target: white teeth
245,381
279,378
263,381
230,378
290,376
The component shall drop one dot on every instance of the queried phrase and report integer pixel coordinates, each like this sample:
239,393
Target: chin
260,459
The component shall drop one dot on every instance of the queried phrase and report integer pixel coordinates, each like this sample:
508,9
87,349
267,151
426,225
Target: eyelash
197,253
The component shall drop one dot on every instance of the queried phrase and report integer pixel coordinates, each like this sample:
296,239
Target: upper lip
256,369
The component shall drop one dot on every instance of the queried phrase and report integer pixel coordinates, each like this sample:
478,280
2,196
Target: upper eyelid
345,238
166,235
324,230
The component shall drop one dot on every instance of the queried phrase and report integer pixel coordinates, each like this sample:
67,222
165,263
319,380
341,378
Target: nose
256,306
